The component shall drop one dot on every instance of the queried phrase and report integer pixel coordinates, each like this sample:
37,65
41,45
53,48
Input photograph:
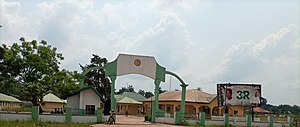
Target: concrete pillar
35,113
174,108
112,93
99,115
177,117
289,120
211,110
271,120
248,119
68,115
202,119
183,94
155,105
197,112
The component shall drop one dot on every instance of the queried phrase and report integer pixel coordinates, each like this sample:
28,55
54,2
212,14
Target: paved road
132,121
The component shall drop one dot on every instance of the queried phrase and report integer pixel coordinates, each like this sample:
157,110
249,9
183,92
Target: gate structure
144,65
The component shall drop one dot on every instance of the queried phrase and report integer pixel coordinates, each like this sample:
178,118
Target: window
160,107
235,112
90,109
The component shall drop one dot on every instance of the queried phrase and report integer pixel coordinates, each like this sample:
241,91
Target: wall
50,106
73,102
10,104
47,118
89,97
15,116
191,105
132,108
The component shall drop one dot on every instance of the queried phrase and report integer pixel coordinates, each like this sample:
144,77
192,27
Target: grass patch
40,124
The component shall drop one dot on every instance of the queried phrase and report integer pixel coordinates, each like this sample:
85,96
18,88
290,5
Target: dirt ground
132,121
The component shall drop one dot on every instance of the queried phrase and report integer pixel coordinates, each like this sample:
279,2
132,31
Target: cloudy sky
205,42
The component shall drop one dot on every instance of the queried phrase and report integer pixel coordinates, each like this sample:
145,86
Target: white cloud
272,61
184,36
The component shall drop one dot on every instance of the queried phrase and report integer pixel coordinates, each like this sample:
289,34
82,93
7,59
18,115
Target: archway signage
143,65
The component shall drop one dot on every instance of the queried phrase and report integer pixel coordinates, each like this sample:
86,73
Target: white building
85,100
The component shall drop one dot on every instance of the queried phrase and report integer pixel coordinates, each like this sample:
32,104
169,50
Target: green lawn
40,124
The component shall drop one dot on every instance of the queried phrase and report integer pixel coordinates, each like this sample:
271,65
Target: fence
259,121
84,117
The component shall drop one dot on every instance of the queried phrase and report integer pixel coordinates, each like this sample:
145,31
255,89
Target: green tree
142,92
28,68
64,82
96,78
199,88
149,94
161,90
129,88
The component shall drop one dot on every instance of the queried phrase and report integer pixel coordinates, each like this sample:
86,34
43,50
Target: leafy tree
145,94
96,78
64,82
142,92
161,90
1,53
263,101
199,88
129,88
149,94
281,109
27,69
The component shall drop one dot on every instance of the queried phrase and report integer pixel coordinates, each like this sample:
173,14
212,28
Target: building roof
192,95
118,97
52,98
126,100
134,95
6,98
260,110
82,89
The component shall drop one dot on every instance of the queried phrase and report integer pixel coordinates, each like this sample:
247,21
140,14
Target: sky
205,42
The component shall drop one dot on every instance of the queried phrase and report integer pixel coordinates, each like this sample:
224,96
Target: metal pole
252,112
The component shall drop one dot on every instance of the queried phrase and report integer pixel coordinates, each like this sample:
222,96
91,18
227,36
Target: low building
52,103
84,101
9,101
196,101
130,102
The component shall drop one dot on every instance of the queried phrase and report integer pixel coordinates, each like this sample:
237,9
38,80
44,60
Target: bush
147,118
184,123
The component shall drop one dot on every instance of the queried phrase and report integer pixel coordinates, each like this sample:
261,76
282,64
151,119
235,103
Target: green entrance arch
144,65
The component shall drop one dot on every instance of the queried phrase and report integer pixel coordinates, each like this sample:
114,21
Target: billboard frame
243,89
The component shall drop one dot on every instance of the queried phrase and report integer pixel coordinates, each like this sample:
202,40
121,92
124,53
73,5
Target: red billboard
239,94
